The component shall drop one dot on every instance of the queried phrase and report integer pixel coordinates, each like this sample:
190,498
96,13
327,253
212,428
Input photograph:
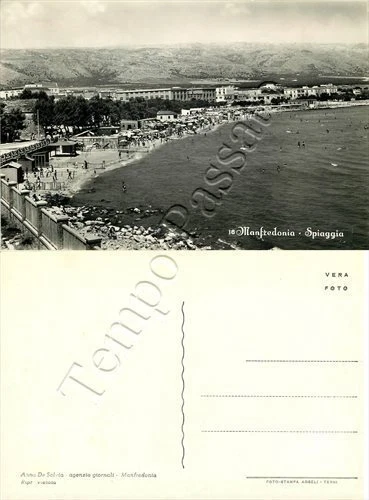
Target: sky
98,23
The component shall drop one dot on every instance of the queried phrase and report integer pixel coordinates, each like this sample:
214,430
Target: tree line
10,124
76,111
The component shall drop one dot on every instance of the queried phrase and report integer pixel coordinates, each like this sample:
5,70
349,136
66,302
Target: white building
9,93
166,116
126,95
248,94
296,92
270,86
51,88
329,89
224,94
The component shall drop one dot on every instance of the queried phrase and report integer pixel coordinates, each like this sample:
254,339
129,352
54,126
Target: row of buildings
228,94
264,93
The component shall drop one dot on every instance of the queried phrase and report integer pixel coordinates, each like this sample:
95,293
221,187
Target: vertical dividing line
183,384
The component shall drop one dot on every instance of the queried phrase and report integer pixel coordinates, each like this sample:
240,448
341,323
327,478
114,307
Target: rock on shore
110,226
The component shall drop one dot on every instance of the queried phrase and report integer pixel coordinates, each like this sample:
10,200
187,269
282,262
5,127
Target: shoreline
132,225
74,189
79,181
71,187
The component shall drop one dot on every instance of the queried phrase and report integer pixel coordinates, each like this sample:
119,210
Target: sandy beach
71,174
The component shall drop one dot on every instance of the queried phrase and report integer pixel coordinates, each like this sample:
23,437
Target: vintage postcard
184,125
146,131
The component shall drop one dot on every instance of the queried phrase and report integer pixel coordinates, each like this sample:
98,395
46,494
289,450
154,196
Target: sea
310,197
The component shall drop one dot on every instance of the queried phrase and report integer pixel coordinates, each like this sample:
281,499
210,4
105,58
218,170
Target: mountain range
179,63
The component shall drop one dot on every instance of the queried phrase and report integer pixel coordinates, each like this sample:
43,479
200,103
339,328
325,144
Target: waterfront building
64,148
81,92
225,93
295,92
247,95
267,98
135,124
269,86
179,94
29,154
126,95
50,88
10,93
204,94
107,94
315,90
166,116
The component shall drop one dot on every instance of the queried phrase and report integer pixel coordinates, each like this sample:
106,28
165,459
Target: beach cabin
13,172
166,116
64,148
129,124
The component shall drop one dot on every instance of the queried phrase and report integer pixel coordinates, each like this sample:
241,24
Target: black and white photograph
160,134
184,125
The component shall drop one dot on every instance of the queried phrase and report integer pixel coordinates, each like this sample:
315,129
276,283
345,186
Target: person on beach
103,164
111,233
299,145
86,164
124,187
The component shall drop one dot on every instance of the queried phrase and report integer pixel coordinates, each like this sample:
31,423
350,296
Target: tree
82,115
26,94
44,111
11,124
30,94
324,96
99,110
114,112
72,111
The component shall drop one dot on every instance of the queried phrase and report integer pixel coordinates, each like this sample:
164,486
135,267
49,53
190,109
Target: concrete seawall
33,218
